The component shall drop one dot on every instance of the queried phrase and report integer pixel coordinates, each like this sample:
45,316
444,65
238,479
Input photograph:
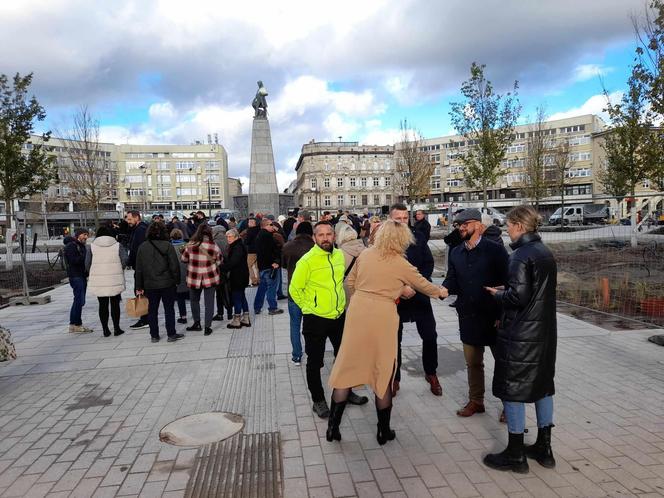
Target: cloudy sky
172,71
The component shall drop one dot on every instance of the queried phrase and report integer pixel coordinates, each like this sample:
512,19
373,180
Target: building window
215,190
388,164
164,192
365,200
340,200
453,183
164,179
388,199
572,129
163,166
326,182
579,140
376,181
327,167
578,173
363,182
134,179
180,178
340,182
308,201
435,183
353,181
211,165
513,149
133,165
327,201
353,200
388,181
213,178
184,164
313,183
205,154
376,200
182,155
186,191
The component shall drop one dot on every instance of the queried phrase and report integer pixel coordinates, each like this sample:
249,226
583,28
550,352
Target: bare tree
88,171
413,166
539,146
560,162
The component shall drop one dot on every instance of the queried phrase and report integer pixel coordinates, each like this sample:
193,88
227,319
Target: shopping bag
137,307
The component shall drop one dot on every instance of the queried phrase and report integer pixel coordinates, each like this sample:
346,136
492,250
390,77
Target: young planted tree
88,171
539,145
25,168
560,165
413,166
486,119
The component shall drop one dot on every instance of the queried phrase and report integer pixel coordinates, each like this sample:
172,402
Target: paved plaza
80,414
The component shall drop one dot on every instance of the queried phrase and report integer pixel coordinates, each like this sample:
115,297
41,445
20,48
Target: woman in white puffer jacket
105,261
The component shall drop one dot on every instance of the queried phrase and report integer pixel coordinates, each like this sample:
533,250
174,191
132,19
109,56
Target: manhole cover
202,428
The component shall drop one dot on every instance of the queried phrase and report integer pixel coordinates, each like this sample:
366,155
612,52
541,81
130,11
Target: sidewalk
80,415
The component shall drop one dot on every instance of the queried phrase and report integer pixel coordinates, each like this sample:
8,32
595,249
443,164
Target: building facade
346,176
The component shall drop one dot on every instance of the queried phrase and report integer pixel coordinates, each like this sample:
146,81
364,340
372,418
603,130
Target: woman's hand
443,293
491,290
407,292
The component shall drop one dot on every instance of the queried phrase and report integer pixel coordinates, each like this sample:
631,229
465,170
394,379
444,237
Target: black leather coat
525,350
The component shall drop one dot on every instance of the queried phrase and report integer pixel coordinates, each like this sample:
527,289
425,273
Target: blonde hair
345,234
374,219
393,238
527,216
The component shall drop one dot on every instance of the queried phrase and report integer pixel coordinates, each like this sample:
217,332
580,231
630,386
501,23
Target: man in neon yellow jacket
317,287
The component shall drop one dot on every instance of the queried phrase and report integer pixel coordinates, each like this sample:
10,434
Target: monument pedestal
263,191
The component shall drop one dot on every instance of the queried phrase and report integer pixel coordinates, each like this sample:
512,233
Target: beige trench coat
368,352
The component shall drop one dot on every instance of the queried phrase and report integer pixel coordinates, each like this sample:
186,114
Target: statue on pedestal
260,103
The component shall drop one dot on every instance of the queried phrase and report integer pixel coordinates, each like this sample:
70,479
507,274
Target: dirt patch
40,276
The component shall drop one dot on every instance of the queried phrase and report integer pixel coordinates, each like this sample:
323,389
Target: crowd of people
354,281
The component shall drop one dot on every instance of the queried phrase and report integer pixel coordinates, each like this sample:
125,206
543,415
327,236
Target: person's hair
398,206
176,234
104,231
305,228
265,222
175,218
135,213
345,233
157,231
374,219
527,216
233,232
321,223
232,218
202,232
80,231
393,238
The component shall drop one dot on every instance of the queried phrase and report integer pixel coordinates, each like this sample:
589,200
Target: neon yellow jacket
317,285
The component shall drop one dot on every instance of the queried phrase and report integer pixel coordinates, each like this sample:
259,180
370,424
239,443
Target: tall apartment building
345,175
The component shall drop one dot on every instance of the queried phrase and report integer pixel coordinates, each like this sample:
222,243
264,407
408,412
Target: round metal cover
201,428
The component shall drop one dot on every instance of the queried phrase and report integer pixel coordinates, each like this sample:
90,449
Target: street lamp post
315,191
207,180
143,168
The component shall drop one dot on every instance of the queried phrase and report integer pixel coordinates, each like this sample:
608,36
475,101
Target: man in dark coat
289,224
422,225
474,264
268,259
290,255
136,237
418,307
74,256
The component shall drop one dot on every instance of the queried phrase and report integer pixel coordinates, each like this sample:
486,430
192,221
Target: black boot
511,458
384,433
107,332
194,327
336,411
541,450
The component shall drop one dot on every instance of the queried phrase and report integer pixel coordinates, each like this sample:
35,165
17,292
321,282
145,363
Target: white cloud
381,137
594,105
584,72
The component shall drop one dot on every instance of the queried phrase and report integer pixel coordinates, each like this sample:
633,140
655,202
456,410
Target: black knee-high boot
336,412
384,433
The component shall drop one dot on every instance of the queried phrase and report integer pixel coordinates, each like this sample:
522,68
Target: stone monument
263,191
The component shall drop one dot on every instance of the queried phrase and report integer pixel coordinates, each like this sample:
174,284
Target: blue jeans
515,413
78,284
240,304
295,314
266,287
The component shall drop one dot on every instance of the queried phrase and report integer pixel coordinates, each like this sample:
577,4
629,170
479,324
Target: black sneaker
176,337
281,298
276,311
139,325
107,333
182,320
297,361
218,318
155,339
195,327
321,409
208,331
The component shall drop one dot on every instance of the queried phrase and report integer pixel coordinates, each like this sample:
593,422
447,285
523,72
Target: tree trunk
562,203
633,219
9,257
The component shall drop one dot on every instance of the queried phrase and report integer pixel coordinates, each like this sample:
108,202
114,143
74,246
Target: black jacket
525,350
136,238
467,274
494,234
288,226
294,250
423,226
267,250
250,239
74,254
157,265
236,265
419,255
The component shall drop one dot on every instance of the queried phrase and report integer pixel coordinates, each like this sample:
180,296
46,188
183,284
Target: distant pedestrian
235,270
249,237
422,225
157,275
525,349
268,257
223,291
491,231
203,258
182,291
136,238
105,262
74,256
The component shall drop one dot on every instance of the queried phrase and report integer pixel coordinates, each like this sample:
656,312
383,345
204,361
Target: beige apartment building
345,175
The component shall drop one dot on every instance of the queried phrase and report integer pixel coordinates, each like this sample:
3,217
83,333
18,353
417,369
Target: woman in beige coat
368,352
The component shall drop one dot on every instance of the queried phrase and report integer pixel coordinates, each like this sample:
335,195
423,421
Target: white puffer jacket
106,273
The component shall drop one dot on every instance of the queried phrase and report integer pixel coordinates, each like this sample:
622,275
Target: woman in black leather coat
525,350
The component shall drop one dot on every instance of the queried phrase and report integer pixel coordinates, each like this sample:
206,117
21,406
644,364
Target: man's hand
407,292
140,292
444,292
491,290
275,265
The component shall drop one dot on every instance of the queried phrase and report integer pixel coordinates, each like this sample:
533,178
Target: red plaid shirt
202,265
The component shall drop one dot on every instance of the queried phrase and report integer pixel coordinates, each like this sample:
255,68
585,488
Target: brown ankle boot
471,408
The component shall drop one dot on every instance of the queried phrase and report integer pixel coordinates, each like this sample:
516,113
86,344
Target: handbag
137,307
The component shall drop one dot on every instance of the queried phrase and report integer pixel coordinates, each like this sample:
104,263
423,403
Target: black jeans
426,327
114,301
182,303
167,295
316,331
